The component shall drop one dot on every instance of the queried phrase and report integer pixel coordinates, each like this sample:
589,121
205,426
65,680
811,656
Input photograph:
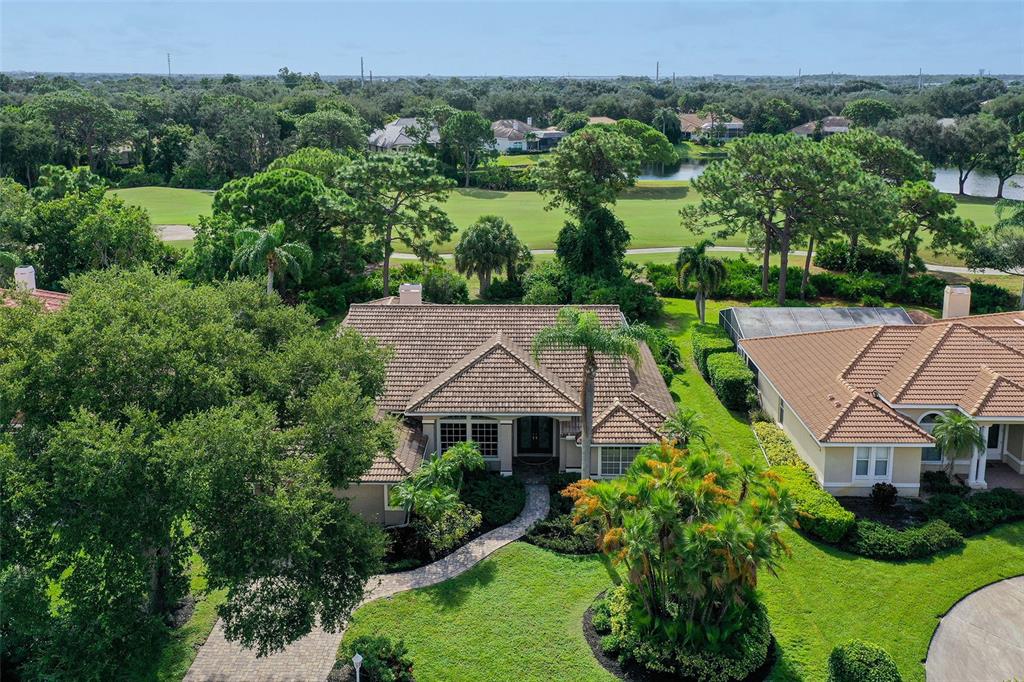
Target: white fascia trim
877,443
868,484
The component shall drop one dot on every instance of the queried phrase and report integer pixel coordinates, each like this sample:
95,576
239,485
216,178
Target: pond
978,184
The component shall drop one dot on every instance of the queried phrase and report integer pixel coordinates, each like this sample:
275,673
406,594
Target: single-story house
512,135
830,125
394,136
694,125
859,403
465,372
25,281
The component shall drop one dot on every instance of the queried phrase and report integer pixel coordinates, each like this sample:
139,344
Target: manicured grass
824,597
689,389
169,205
516,616
517,159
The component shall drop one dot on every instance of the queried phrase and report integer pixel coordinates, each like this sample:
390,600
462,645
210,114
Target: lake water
978,184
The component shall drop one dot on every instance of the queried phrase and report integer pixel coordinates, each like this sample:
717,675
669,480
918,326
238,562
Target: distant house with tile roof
512,135
694,126
395,137
25,285
830,125
466,372
860,403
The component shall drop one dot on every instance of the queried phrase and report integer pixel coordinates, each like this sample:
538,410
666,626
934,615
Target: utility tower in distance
168,64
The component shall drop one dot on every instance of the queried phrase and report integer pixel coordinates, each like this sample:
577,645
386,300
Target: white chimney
956,301
25,278
410,294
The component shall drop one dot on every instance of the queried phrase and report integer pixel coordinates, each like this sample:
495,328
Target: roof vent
410,294
25,278
837,404
831,397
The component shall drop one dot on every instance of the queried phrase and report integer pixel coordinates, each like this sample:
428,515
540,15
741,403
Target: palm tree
482,249
686,425
707,272
259,251
579,330
956,433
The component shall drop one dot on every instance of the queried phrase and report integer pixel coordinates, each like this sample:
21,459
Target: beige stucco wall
570,455
367,500
505,431
804,442
906,472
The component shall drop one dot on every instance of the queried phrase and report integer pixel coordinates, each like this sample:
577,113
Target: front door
535,436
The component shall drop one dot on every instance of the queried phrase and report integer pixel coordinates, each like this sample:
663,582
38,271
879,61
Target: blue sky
514,38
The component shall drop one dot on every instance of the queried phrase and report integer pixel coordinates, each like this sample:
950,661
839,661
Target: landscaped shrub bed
557,531
858,661
818,512
879,541
776,444
383,661
731,379
498,498
707,340
835,256
938,482
978,512
745,652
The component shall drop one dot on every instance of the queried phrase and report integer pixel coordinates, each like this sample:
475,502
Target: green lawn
517,159
169,205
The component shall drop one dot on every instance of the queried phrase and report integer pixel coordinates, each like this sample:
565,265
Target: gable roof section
619,424
395,467
833,379
498,377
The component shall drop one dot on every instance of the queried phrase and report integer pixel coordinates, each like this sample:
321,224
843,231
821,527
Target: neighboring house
512,135
465,372
25,281
394,137
830,125
693,126
859,403
600,121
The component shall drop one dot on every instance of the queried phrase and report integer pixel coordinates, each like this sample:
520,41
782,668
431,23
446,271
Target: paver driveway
981,639
311,658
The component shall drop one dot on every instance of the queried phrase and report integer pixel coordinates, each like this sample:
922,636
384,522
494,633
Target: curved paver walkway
981,639
312,657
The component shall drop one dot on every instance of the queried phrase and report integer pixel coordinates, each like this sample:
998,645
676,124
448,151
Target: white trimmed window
613,460
485,435
872,463
932,453
451,433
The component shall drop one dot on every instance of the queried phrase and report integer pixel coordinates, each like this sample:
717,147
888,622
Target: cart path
311,658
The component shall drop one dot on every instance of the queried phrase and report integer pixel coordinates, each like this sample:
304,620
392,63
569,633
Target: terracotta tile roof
395,467
619,424
51,300
476,358
496,378
831,378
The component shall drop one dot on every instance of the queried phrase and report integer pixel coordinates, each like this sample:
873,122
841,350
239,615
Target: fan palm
482,249
956,434
706,272
579,330
265,251
686,425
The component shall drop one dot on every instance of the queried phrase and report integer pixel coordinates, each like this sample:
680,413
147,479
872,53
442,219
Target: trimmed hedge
978,512
818,512
708,340
498,498
878,541
731,379
776,444
858,661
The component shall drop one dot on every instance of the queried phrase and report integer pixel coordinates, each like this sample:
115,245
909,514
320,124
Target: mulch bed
902,515
635,673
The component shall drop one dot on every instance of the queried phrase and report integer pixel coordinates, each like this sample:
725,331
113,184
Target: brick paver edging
311,658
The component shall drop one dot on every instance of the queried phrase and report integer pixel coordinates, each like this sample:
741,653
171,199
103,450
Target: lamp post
357,661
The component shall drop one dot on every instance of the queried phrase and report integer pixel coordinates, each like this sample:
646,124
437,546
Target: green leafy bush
778,448
558,534
978,512
707,340
938,482
138,177
499,499
664,278
878,541
991,298
746,652
449,530
441,285
883,495
857,661
731,379
835,256
503,290
383,660
818,513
